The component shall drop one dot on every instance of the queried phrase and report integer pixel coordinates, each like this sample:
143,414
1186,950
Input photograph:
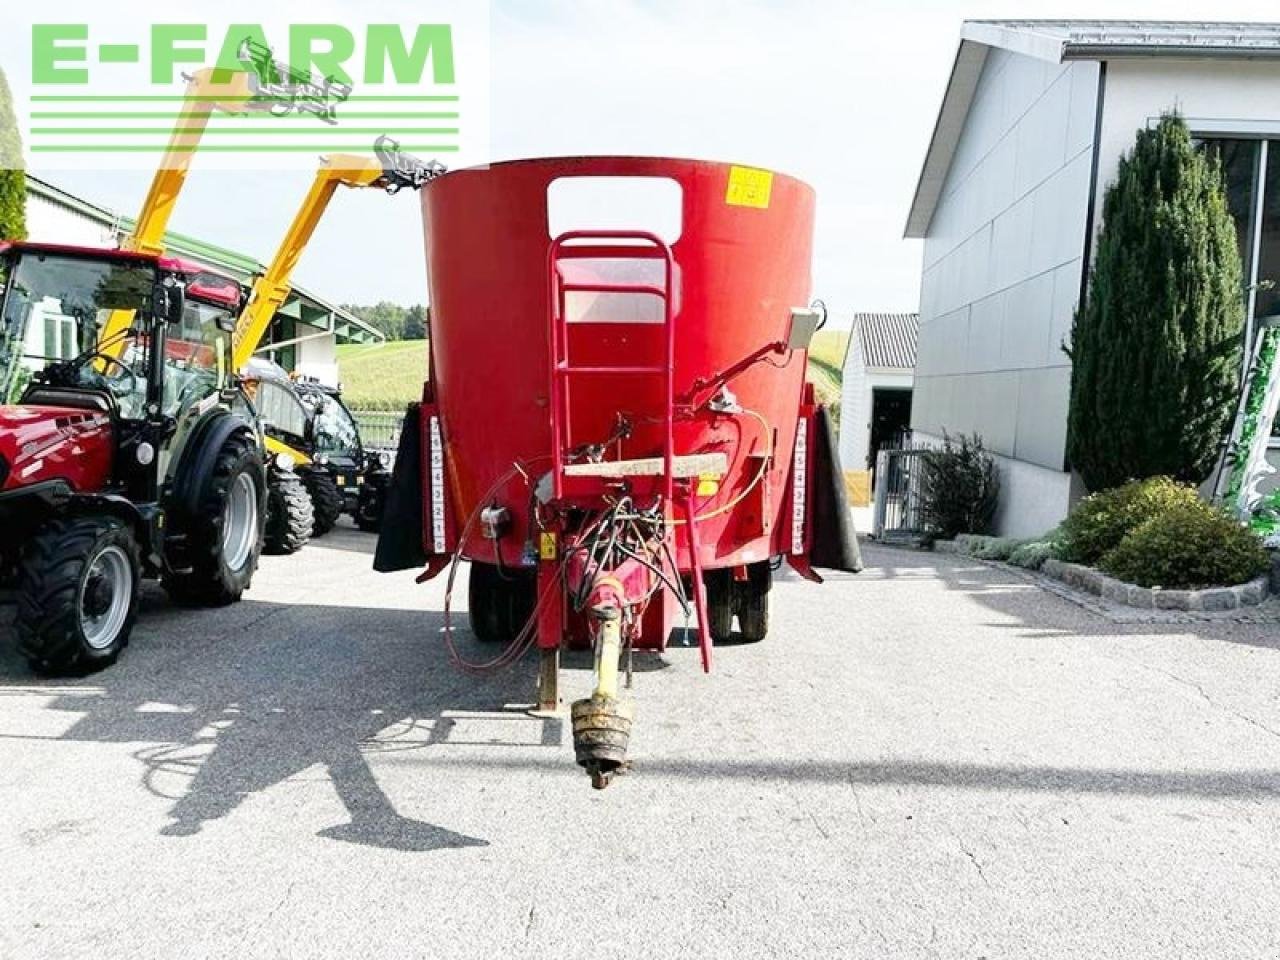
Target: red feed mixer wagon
616,431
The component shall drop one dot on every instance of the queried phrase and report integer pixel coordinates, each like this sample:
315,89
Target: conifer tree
1156,345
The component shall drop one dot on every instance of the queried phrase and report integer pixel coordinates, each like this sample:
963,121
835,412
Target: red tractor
124,456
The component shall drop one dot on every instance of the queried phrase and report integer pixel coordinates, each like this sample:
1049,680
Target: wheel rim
105,596
240,522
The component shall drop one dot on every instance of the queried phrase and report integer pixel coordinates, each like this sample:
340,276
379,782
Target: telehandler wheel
751,601
720,603
499,603
225,538
369,506
289,514
326,500
78,594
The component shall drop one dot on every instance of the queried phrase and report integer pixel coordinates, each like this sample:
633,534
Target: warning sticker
547,546
749,187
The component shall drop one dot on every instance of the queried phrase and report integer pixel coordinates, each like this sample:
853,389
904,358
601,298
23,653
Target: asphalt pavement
934,758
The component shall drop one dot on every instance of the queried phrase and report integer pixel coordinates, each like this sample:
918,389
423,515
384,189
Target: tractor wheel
499,602
751,601
289,515
225,537
369,506
326,500
720,597
78,594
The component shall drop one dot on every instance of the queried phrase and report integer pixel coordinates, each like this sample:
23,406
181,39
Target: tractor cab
143,341
118,448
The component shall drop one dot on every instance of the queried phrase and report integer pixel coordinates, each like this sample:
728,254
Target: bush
996,548
1188,546
13,179
1100,521
959,489
1032,554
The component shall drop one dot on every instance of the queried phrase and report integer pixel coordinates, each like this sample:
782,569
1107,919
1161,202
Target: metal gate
899,475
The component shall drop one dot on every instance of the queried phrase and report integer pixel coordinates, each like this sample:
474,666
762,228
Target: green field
826,367
388,376
382,376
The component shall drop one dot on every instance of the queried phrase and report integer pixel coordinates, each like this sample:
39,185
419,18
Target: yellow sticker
749,187
708,486
547,546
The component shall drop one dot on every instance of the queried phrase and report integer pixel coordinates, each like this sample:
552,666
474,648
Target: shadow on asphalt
1039,612
232,702
346,536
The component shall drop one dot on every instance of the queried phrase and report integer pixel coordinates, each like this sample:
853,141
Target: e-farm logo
325,88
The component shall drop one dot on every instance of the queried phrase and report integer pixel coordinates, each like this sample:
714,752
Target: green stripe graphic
177,98
225,148
343,115
319,131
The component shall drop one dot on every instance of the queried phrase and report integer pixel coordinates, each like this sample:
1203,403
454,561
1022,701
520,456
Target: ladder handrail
653,247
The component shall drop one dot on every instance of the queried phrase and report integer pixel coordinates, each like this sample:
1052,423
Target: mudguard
400,537
199,457
835,541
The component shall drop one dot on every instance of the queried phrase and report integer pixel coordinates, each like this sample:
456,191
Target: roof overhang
1060,42
971,57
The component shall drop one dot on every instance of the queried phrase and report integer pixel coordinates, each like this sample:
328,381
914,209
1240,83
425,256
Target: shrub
1155,347
997,548
959,489
1100,521
1188,546
1032,554
13,180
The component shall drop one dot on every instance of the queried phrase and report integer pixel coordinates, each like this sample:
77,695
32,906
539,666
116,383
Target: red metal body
53,443
737,269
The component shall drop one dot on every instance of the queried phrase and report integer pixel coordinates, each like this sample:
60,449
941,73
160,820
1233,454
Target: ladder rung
564,368
614,288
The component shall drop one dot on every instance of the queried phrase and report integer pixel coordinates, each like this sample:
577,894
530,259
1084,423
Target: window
651,204
62,306
1251,168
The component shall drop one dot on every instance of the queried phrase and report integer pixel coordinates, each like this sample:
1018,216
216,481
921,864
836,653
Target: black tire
62,580
212,578
369,505
499,603
289,514
751,601
720,603
326,500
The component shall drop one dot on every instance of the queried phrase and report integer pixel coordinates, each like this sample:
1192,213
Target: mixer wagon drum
617,430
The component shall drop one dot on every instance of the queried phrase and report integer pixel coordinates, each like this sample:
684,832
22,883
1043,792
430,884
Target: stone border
1143,598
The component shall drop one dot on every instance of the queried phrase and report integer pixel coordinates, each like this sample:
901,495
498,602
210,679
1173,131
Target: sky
843,95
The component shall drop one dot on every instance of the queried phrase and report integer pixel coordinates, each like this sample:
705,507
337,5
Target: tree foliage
393,320
1156,346
13,180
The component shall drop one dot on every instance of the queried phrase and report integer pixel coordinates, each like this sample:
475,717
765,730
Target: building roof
1060,41
886,340
301,305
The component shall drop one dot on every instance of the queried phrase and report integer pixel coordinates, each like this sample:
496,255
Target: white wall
1003,261
1033,499
1218,96
854,416
317,357
49,222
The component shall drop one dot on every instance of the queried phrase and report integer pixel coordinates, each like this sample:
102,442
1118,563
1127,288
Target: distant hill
389,376
382,376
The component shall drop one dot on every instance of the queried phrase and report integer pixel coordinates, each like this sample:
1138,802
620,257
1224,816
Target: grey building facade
1031,129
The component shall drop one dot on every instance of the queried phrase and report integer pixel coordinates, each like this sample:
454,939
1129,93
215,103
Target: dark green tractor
310,429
